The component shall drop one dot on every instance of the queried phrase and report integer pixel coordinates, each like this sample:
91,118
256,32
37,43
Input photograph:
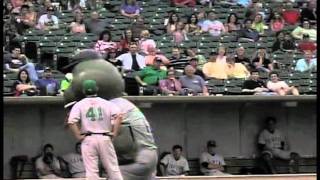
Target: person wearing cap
48,86
100,122
211,163
272,144
150,76
174,164
171,85
48,21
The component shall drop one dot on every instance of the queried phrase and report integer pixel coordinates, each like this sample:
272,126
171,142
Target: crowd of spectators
138,56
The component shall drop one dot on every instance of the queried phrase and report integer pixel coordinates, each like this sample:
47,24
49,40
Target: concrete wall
233,125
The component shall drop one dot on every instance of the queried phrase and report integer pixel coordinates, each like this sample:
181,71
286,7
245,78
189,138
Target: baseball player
144,167
100,120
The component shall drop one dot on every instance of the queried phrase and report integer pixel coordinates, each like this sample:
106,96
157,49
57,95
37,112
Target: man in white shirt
272,144
211,164
174,164
48,21
132,61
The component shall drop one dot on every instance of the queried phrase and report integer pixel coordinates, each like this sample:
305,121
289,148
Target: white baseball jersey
96,115
75,163
138,122
216,159
271,140
175,167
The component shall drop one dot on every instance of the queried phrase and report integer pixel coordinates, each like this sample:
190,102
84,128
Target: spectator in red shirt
306,44
291,15
126,39
190,3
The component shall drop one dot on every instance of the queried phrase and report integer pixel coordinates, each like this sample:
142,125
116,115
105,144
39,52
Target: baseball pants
98,146
144,167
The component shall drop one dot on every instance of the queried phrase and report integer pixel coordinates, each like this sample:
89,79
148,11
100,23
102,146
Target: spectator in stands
23,86
194,63
145,42
208,3
66,82
137,27
277,23
309,62
17,3
111,58
170,86
105,43
306,44
48,86
15,61
8,8
149,77
44,7
132,61
309,12
299,31
174,164
27,19
193,84
177,57
253,10
258,24
171,26
290,15
192,27
130,9
211,163
272,144
74,162
222,55
232,23
240,57
254,85
280,87
126,39
153,54
213,26
212,69
95,25
244,3
189,3
48,21
179,35
48,164
247,33
261,61
78,26
191,53
236,70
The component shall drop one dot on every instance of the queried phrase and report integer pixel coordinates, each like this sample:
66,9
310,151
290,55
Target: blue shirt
130,9
244,3
47,86
302,65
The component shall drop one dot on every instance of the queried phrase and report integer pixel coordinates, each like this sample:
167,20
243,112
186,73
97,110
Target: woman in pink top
146,42
277,23
179,34
221,57
280,87
104,43
77,26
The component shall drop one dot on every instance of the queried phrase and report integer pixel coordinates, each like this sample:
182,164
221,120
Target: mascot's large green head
88,64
